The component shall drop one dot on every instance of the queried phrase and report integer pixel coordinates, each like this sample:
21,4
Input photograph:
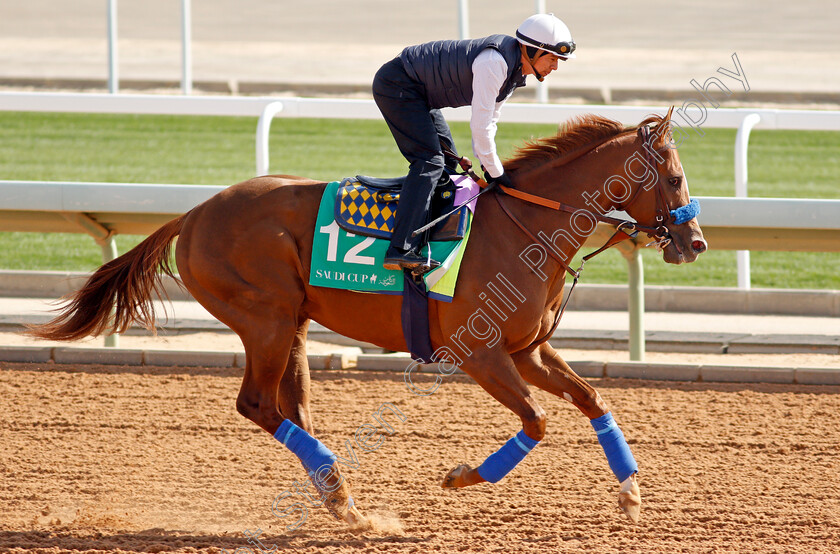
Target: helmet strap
532,61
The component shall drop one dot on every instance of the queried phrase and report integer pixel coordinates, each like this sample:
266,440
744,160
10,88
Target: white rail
268,108
103,209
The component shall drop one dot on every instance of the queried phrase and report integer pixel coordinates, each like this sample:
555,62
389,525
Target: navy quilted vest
444,68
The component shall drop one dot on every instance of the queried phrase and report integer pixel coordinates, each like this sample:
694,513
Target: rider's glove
503,179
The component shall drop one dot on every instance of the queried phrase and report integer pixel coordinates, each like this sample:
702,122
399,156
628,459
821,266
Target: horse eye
675,181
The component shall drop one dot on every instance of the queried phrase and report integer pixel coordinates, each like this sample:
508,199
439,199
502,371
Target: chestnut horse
245,256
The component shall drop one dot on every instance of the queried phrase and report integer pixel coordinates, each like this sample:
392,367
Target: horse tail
125,284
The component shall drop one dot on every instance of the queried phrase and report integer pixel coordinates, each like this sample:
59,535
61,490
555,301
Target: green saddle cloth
345,260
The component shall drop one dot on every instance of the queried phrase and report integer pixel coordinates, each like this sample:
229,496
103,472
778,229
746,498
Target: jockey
482,73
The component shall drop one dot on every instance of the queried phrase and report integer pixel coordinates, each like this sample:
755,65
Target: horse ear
662,131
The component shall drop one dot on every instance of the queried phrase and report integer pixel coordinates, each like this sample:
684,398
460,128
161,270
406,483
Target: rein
617,237
659,233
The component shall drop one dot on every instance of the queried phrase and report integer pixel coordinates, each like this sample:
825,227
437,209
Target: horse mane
576,134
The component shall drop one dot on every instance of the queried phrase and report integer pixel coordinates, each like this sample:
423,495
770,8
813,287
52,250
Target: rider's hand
453,162
503,179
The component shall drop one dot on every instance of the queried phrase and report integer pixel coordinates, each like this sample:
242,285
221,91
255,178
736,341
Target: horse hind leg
275,395
293,400
264,310
543,367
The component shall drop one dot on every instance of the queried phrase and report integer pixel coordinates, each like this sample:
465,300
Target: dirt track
156,460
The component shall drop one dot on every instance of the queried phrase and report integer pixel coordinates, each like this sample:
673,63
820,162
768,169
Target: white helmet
546,32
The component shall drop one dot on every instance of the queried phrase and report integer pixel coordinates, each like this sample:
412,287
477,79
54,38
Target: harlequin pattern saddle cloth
367,206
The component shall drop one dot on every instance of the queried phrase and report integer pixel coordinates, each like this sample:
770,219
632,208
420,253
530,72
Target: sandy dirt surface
118,459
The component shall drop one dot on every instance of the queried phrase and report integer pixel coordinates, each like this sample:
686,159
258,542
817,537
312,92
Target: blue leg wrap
500,463
310,450
615,447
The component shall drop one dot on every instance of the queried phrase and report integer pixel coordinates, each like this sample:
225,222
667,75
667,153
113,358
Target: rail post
263,131
542,87
186,47
109,252
742,140
113,49
635,299
463,19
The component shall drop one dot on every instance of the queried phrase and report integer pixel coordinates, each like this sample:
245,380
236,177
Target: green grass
220,151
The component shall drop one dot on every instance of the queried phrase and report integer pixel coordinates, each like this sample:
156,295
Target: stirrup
408,261
422,269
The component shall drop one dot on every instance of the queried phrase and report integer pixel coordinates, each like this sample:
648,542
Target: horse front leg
543,367
497,374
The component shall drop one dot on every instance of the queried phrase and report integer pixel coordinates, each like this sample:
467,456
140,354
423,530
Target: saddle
366,206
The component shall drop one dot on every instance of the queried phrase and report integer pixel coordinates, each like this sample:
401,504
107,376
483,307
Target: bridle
625,229
661,235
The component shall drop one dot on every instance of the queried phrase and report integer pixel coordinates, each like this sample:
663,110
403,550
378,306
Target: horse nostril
699,246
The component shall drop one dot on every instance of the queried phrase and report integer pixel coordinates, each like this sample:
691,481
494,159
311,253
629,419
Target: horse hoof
455,478
356,520
630,498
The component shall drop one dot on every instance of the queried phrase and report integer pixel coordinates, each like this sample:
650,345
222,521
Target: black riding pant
419,131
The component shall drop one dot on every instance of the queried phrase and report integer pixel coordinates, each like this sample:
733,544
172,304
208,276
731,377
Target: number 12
353,256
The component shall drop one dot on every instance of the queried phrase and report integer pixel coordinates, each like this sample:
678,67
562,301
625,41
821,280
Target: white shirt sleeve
489,72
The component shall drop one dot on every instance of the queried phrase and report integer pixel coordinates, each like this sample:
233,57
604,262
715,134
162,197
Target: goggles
561,48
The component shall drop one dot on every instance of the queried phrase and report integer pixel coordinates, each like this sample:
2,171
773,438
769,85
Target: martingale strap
624,229
551,251
617,237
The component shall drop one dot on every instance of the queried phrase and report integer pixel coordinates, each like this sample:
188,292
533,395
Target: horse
245,253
